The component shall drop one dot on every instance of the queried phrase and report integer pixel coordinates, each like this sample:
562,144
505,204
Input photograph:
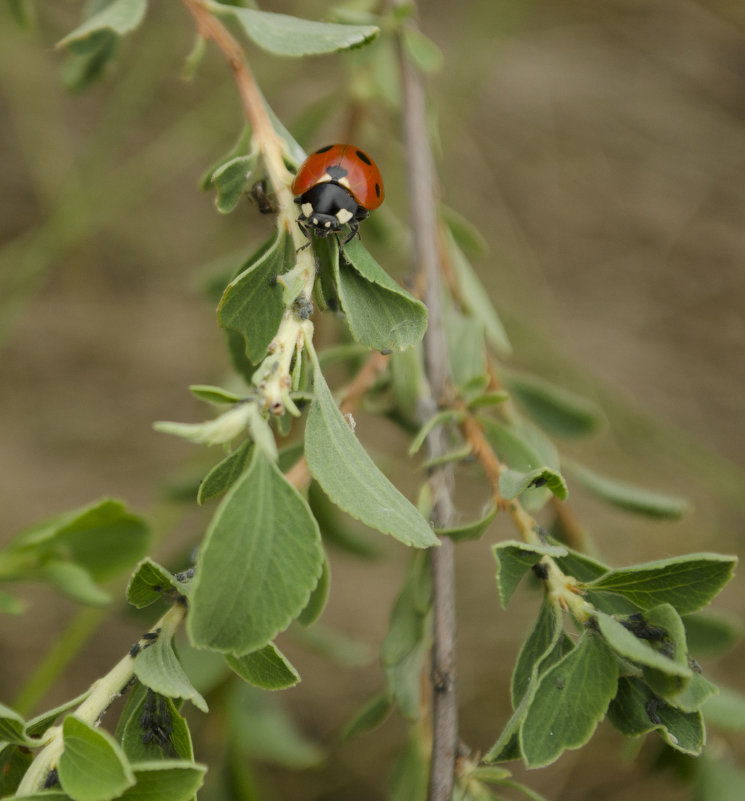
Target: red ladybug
336,185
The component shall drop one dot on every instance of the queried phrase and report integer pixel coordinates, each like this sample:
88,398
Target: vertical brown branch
422,199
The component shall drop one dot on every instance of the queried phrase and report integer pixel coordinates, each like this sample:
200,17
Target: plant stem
422,201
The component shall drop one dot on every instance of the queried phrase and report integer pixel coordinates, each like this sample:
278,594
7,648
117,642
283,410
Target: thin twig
422,201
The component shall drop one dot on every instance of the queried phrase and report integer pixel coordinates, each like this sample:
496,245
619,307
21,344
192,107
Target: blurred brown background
600,149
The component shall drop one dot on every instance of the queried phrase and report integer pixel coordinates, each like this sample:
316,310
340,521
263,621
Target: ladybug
336,185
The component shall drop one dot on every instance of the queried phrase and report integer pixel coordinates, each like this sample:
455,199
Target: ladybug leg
305,228
354,230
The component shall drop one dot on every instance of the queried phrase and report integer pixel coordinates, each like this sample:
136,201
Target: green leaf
259,728
258,564
224,474
120,17
640,651
712,633
488,399
627,496
507,746
39,724
380,314
211,394
175,780
149,583
726,710
231,179
284,35
152,728
372,715
158,668
686,582
13,728
267,668
466,347
409,777
513,483
514,559
349,477
338,532
475,299
14,762
540,643
637,710
469,531
696,693
252,303
664,618
571,699
92,766
440,419
73,581
317,600
421,50
556,410
407,382
102,538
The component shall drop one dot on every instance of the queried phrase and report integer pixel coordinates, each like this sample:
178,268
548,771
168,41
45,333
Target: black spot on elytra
324,149
363,157
336,171
377,190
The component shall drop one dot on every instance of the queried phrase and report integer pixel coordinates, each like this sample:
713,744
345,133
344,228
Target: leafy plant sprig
607,642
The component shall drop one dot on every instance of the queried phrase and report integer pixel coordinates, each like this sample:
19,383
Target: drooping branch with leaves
607,642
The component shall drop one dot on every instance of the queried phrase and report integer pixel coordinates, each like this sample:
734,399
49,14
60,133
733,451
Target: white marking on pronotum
344,216
307,209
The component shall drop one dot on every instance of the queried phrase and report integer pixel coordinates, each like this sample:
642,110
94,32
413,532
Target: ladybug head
326,207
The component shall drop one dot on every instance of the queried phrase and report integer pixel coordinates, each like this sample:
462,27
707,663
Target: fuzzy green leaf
317,601
380,313
149,582
14,763
513,483
258,564
158,668
175,780
92,767
38,725
120,17
726,710
284,35
267,668
350,478
557,410
372,715
466,346
570,701
507,746
102,539
627,496
73,581
540,642
469,531
625,643
145,712
216,395
224,474
231,179
712,633
637,710
476,300
686,582
13,728
252,303
514,559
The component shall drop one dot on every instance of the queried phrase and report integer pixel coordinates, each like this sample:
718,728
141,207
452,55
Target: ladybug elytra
336,185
